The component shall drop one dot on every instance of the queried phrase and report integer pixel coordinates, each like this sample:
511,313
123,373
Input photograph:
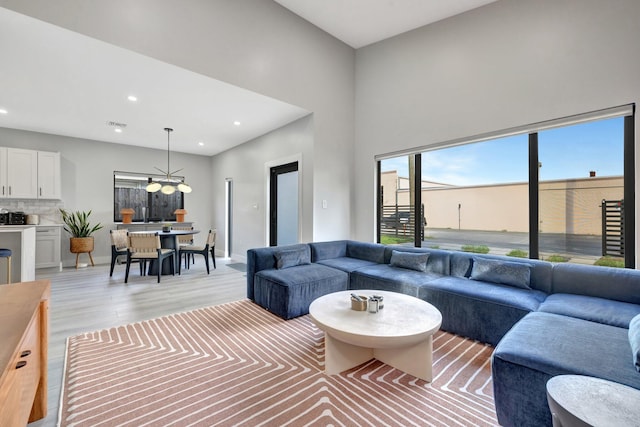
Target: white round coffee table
400,334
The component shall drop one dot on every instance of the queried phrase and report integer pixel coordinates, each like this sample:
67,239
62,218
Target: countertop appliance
32,219
16,218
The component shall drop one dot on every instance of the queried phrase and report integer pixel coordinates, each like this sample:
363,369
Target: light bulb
168,189
185,188
153,187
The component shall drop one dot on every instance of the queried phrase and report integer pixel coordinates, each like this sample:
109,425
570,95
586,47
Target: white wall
246,166
87,179
254,44
507,64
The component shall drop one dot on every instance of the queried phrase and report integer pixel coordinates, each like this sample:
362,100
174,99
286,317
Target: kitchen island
21,239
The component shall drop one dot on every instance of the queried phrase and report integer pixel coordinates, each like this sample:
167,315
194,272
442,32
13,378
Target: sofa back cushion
408,260
516,274
540,276
620,284
328,250
287,258
373,252
437,263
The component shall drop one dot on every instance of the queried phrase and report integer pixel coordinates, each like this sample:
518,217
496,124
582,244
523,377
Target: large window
129,191
581,170
560,191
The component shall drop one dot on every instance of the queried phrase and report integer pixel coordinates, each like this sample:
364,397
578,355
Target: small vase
166,228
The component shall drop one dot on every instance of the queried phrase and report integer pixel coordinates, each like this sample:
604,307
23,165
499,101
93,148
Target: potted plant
78,226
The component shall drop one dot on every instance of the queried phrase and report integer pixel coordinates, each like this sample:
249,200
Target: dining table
168,240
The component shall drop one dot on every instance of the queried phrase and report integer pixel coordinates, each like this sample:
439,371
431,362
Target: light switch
324,204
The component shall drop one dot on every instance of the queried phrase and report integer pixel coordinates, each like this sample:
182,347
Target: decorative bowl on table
359,305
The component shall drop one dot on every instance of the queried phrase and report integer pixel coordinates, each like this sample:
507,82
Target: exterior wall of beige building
566,206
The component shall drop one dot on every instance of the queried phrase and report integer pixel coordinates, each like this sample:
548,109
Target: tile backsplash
48,210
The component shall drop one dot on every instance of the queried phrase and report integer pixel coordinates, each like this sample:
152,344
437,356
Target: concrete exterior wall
566,206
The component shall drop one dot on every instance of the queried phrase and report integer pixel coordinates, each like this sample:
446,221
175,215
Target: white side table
577,400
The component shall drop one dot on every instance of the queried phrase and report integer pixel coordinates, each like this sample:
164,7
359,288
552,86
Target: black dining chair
146,247
190,250
119,248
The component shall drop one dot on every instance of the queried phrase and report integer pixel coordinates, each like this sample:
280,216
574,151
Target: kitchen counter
21,239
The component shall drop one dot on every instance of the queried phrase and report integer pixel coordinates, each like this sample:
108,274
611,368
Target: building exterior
571,206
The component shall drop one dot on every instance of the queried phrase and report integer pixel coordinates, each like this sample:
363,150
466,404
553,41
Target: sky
567,152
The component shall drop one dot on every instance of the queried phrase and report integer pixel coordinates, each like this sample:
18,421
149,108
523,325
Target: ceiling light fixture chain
170,186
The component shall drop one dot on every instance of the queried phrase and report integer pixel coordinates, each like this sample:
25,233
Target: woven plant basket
79,245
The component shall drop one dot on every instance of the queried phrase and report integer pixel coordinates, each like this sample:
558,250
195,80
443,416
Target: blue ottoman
289,292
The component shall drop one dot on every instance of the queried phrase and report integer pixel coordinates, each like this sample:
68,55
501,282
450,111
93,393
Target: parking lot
580,248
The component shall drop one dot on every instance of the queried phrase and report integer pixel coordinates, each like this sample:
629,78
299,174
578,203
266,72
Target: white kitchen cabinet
22,173
49,175
4,186
29,174
47,246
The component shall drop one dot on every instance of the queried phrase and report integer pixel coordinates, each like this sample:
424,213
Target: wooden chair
209,246
145,247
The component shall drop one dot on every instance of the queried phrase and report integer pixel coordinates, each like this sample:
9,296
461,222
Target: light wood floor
88,299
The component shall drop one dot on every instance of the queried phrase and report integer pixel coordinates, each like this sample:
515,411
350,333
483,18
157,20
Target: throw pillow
409,260
290,258
634,340
503,272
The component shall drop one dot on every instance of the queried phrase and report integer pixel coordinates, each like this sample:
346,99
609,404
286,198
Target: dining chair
146,247
119,248
184,240
191,250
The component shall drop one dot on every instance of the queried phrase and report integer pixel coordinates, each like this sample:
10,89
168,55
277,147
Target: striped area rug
237,364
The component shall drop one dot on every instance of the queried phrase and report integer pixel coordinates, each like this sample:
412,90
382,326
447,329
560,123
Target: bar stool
6,253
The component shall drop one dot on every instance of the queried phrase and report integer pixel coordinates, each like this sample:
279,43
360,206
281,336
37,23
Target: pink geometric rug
237,364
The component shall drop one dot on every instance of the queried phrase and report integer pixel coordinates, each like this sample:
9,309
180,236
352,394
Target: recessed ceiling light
3,111
117,130
201,144
132,98
237,123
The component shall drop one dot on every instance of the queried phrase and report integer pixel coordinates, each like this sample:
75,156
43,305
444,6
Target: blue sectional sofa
544,319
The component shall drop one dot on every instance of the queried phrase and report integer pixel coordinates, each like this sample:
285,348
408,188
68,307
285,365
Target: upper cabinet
49,175
29,174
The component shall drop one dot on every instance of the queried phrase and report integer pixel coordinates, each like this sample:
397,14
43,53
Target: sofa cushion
503,272
288,292
593,281
634,340
386,278
366,251
287,258
262,259
609,312
479,310
541,271
543,345
346,263
438,262
411,261
328,250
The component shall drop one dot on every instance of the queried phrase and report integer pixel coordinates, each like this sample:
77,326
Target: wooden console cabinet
24,331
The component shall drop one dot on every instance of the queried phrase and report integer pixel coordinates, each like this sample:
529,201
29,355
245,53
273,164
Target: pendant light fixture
168,185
